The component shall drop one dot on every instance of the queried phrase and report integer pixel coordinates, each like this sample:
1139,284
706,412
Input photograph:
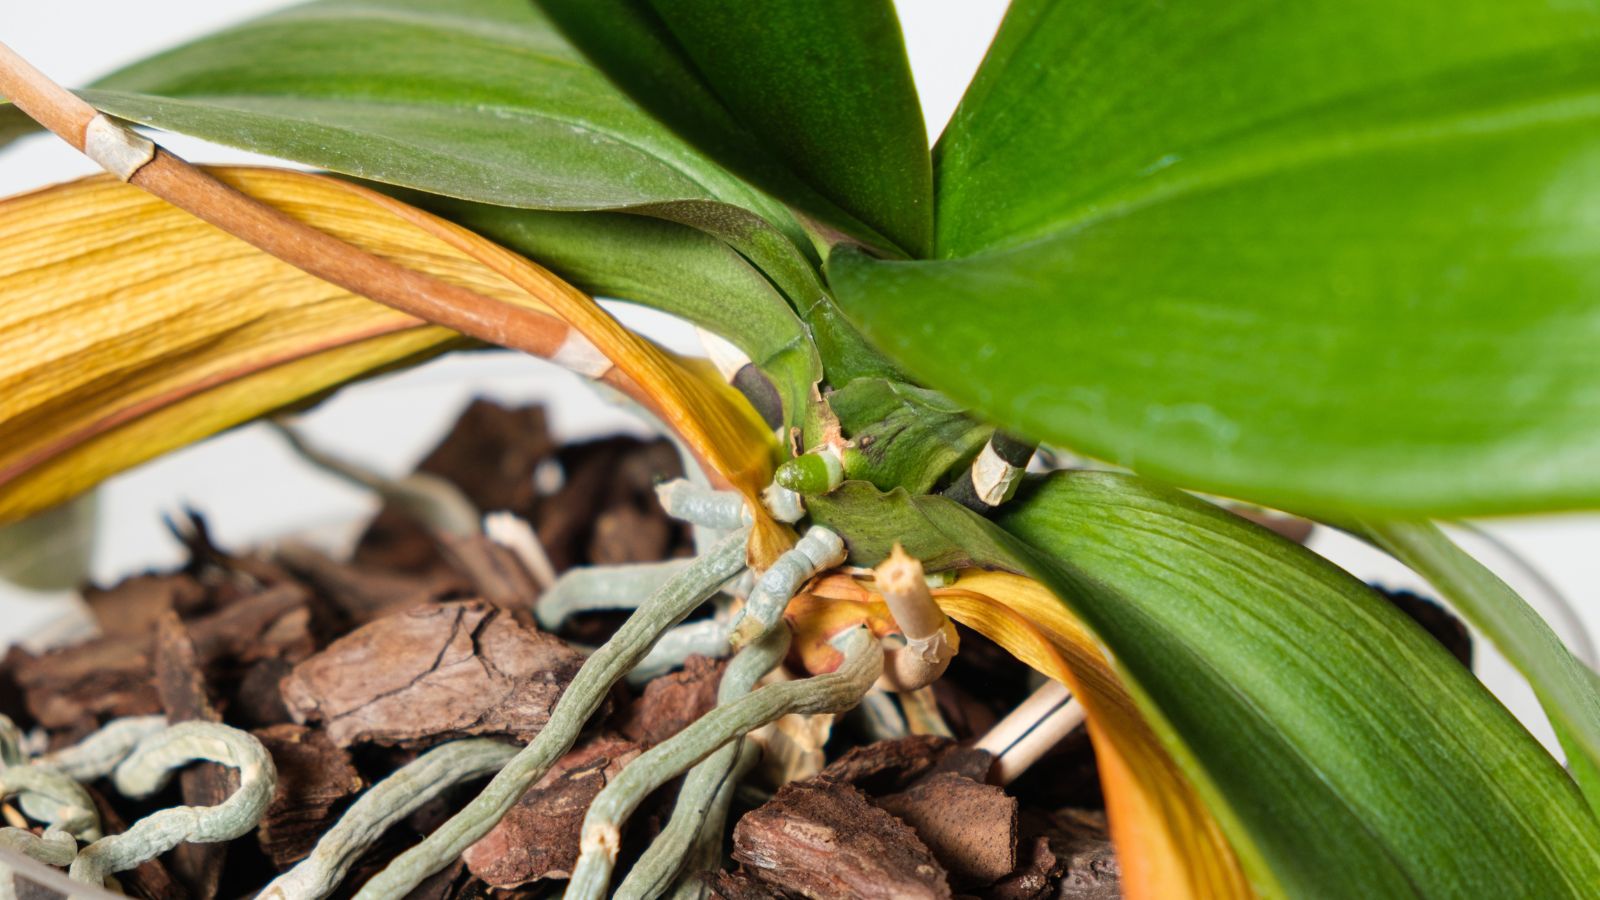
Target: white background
251,489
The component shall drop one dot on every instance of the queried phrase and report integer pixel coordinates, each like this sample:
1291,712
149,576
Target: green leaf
811,99
664,265
1564,686
1343,750
902,435
477,99
1328,264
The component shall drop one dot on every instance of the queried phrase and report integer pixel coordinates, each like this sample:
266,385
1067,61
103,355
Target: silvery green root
98,754
54,848
707,637
660,863
48,796
819,549
704,853
148,769
602,587
608,665
388,801
833,692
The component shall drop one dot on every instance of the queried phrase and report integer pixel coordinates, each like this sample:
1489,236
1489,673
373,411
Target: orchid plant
1335,257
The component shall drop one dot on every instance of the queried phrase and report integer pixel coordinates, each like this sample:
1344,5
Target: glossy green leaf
903,435
663,265
1564,686
1296,254
811,99
477,99
1343,750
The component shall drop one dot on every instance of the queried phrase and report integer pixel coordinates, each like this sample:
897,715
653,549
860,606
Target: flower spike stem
594,588
659,865
388,802
149,768
608,665
994,476
142,163
831,693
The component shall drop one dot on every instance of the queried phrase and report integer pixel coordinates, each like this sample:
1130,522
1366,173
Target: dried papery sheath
388,802
98,754
833,692
604,668
117,148
151,766
930,638
818,549
429,499
51,797
707,637
993,477
721,510
594,588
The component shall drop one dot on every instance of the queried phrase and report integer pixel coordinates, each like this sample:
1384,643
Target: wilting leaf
1169,844
136,328
1345,752
818,93
664,265
1329,255
1341,750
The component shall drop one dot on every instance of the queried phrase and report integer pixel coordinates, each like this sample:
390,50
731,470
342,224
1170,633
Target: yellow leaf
1168,843
131,328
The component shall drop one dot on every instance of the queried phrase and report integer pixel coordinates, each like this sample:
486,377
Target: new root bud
784,505
388,802
830,693
148,769
818,550
605,667
930,638
812,473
